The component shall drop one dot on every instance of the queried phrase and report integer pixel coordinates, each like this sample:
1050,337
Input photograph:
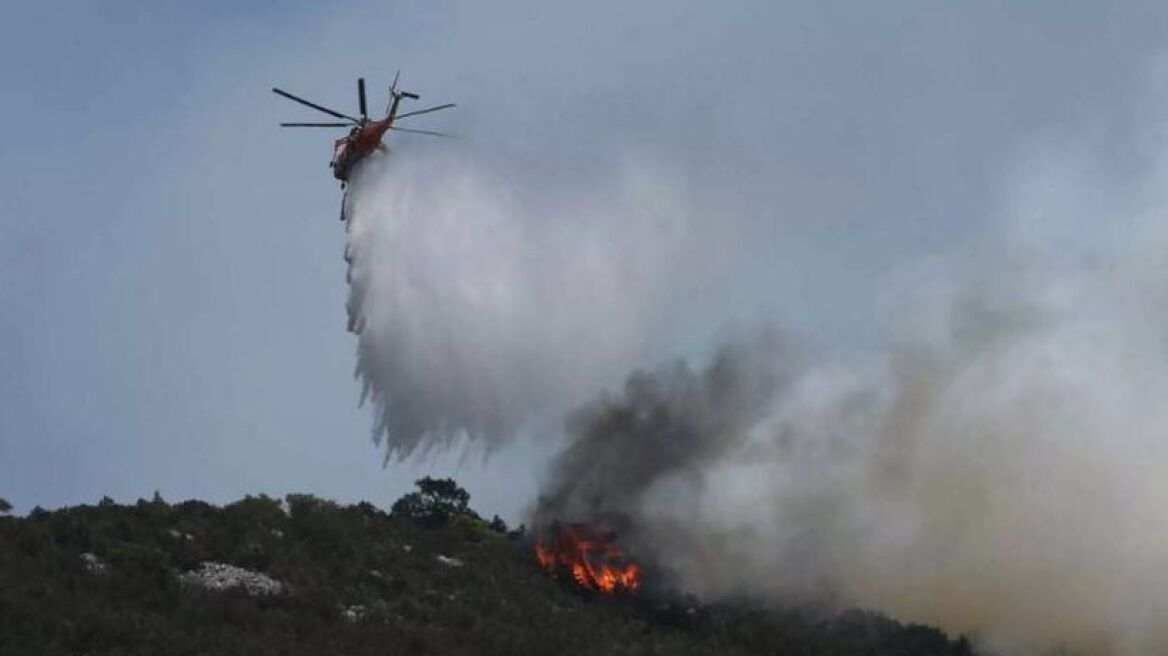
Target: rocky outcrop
221,576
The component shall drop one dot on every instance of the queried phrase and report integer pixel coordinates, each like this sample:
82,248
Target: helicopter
365,134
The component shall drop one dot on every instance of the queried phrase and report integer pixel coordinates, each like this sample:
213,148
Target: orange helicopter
365,134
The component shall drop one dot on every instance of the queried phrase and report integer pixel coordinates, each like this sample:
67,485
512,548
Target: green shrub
144,572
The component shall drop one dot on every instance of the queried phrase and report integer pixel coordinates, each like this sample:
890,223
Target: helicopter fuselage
357,145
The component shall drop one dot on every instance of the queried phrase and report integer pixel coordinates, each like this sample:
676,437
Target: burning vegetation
590,555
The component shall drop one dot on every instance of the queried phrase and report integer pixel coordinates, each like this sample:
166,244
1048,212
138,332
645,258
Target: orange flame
591,556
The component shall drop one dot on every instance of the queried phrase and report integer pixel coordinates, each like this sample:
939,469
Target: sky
172,286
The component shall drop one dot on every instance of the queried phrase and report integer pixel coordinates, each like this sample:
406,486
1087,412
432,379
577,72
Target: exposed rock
93,564
354,613
221,576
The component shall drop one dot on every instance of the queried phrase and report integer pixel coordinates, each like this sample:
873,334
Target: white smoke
480,305
1000,470
1007,478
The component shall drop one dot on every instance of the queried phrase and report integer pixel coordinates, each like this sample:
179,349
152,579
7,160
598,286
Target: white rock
449,562
93,564
354,613
220,576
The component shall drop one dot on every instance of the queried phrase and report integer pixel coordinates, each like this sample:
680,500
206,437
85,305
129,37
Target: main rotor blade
361,97
316,125
426,111
315,106
433,134
392,91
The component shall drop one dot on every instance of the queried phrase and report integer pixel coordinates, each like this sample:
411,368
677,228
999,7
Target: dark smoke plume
669,421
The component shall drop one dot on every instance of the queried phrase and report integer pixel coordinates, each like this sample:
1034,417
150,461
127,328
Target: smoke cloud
669,421
1001,469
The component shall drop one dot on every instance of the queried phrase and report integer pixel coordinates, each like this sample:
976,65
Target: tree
436,503
498,525
5,507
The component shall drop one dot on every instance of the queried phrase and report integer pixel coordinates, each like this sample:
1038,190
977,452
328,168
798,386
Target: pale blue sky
171,284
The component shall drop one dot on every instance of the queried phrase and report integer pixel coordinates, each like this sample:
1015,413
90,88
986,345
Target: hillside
114,579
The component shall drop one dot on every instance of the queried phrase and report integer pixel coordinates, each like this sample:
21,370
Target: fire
590,555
